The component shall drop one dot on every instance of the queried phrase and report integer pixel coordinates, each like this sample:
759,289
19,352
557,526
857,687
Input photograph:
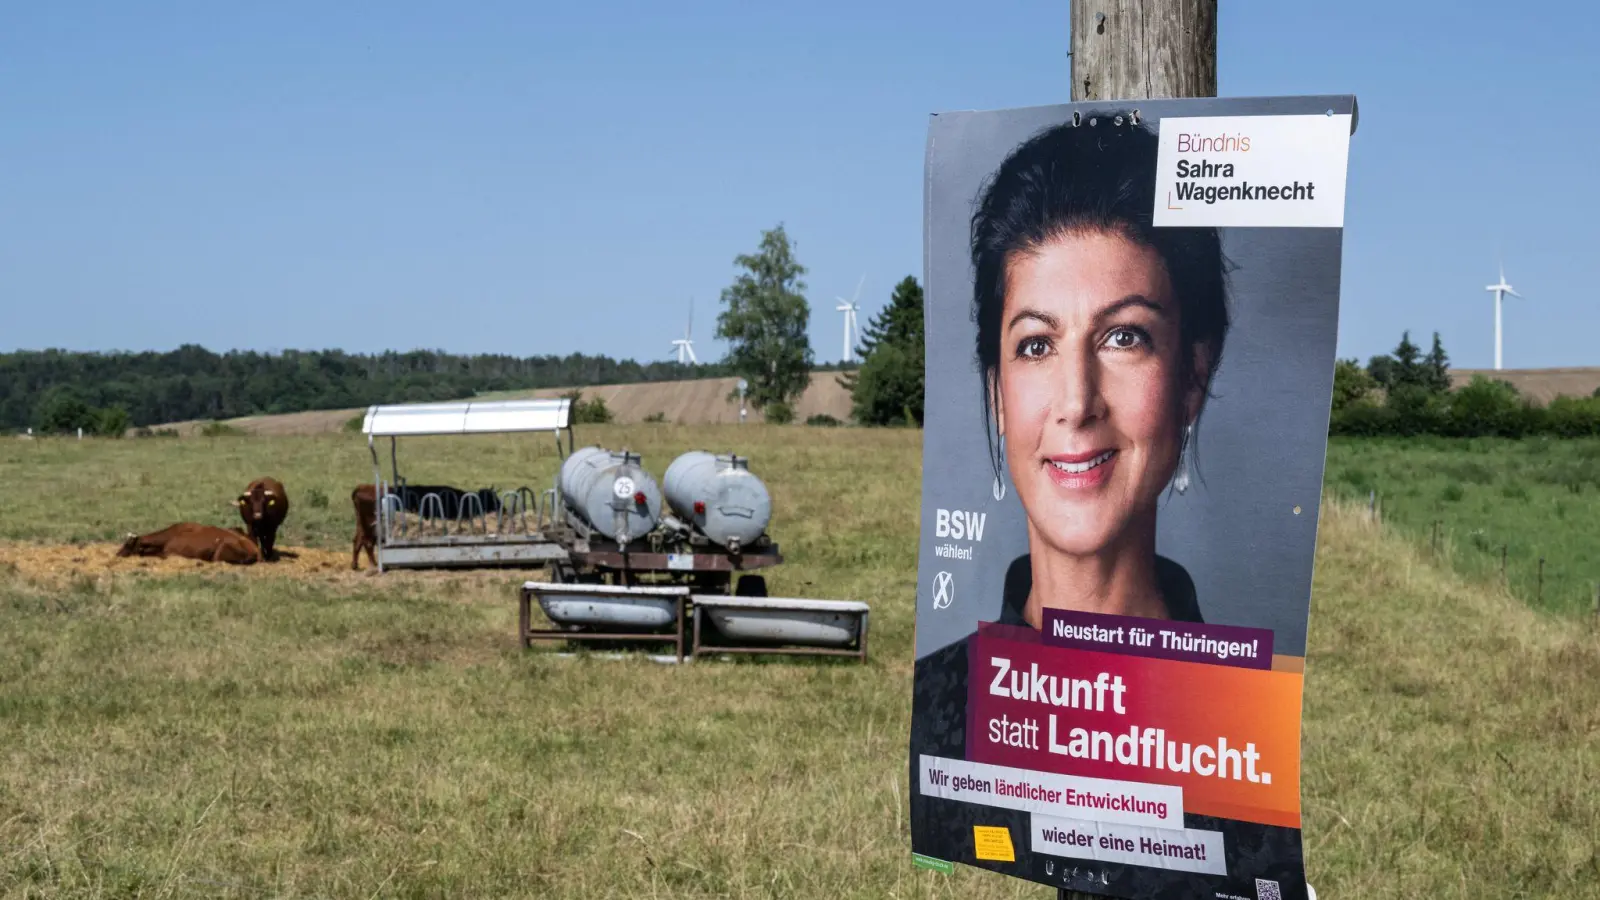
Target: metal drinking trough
509,532
603,612
785,625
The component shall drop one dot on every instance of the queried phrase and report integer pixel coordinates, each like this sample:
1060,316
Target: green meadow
1488,498
266,731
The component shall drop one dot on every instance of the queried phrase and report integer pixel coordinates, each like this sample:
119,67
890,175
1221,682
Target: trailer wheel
751,586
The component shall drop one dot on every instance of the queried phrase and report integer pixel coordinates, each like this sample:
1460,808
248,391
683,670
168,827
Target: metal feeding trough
434,526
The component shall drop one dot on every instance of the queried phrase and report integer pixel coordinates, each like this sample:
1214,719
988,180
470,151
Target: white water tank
719,496
611,493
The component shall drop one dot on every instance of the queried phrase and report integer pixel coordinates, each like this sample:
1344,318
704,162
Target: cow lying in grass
194,541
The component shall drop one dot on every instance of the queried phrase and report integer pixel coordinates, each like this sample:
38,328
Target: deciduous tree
764,319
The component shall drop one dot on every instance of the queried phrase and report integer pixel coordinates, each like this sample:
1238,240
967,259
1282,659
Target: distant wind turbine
849,308
1500,291
685,344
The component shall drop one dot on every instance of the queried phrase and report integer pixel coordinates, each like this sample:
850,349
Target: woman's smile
1081,471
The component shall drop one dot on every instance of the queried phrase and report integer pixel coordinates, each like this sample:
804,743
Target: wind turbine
1500,290
849,308
685,344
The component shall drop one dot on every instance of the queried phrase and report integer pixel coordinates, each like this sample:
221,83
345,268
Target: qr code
1267,890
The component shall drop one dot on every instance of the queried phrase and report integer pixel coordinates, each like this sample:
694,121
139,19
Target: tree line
106,393
764,319
1407,392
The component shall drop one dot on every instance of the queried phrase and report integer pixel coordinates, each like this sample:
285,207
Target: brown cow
365,500
194,541
263,506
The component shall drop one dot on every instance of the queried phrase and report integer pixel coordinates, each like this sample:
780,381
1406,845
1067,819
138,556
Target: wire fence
1524,564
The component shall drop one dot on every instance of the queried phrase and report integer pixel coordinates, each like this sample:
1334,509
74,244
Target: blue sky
547,178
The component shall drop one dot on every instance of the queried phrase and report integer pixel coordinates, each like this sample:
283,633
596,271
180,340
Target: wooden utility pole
1142,50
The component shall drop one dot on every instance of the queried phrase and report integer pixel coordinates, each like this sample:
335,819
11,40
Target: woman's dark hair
1093,174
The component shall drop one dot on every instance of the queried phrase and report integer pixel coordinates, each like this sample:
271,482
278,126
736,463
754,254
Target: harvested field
700,402
706,402
320,421
1542,385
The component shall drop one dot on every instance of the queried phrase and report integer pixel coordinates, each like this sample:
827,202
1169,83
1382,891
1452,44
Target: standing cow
263,506
365,500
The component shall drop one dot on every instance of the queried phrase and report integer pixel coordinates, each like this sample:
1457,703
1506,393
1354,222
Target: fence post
1502,562
1539,594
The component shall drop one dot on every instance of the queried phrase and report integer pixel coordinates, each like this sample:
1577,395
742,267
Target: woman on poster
1098,337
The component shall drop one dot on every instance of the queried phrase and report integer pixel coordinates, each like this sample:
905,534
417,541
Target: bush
354,423
889,388
594,412
63,411
1362,420
1573,417
1480,408
824,420
316,498
656,417
112,422
778,413
220,429
144,431
1351,384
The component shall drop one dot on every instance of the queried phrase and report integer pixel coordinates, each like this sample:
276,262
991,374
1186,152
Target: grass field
1532,498
298,730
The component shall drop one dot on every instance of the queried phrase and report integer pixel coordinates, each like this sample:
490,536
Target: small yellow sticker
990,842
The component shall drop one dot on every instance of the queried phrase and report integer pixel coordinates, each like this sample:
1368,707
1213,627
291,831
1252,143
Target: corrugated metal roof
472,417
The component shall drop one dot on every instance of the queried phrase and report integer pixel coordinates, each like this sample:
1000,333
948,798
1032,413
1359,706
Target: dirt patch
63,562
60,564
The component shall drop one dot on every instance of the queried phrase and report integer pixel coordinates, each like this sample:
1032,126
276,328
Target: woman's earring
999,487
1182,481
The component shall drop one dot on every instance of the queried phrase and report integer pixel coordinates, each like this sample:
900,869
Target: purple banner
1218,645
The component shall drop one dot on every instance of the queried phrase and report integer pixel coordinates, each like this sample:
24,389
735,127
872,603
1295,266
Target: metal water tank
611,493
719,496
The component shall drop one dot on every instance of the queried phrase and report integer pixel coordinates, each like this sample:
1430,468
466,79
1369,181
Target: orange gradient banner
1229,737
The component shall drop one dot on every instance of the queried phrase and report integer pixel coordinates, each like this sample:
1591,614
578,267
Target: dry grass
1452,734
221,732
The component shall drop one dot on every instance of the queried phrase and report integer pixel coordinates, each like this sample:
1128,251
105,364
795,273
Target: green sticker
928,862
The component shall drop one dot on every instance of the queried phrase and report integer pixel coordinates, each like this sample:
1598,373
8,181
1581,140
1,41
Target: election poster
1131,318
